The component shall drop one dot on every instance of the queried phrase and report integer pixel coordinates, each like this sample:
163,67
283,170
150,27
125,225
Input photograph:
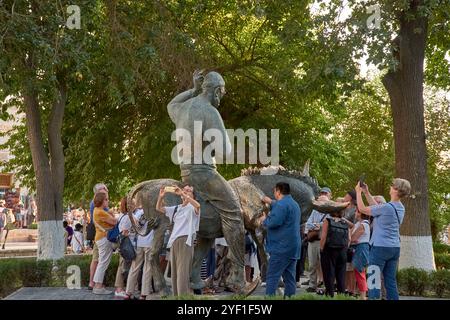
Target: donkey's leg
200,252
262,255
157,273
234,234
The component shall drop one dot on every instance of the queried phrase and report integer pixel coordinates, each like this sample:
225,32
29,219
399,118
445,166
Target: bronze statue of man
189,111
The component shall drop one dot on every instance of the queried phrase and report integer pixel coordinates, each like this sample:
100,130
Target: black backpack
337,237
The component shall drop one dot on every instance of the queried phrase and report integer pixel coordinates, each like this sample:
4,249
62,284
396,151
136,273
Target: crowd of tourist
342,245
339,246
16,216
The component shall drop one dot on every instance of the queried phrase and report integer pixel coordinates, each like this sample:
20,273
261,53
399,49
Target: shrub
442,261
9,276
84,263
439,247
440,282
34,273
33,226
412,281
29,272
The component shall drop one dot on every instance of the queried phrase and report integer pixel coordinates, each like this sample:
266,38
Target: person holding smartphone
385,241
186,219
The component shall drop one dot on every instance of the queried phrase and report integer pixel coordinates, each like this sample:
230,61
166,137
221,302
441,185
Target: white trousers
104,258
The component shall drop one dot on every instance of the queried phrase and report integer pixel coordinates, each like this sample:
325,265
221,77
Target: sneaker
121,294
309,289
263,284
299,285
101,291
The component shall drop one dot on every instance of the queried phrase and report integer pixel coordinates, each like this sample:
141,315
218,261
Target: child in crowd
360,237
77,239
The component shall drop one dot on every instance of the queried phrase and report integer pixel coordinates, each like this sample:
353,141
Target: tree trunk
56,148
405,87
50,229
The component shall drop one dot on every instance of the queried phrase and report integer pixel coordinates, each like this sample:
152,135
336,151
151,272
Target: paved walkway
19,246
18,249
85,294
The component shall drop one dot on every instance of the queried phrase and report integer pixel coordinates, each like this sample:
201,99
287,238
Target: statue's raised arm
177,102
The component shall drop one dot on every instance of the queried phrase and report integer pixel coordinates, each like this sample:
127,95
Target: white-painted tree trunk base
417,252
51,244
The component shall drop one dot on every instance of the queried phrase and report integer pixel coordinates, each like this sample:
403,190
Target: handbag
126,248
314,235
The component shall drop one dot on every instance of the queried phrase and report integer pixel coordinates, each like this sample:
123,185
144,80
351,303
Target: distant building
11,189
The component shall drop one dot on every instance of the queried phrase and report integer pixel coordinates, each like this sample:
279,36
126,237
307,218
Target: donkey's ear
305,170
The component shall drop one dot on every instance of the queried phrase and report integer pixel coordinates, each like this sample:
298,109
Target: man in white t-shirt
185,218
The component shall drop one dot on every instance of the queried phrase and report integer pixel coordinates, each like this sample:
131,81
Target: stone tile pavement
29,293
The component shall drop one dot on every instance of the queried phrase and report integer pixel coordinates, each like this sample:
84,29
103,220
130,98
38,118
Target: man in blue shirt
283,239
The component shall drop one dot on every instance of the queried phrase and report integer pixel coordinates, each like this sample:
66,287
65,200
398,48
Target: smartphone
361,180
170,189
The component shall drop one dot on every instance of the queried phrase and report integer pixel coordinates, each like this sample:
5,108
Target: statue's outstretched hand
198,80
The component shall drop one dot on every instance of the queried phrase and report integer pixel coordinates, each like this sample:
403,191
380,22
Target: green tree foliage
365,133
276,60
437,118
286,66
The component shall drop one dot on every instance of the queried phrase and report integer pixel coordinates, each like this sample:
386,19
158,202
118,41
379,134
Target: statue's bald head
212,80
214,85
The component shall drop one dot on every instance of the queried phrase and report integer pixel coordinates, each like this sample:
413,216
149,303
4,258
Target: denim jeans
211,262
280,265
386,259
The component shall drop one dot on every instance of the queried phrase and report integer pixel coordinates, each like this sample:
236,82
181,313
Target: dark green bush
439,247
412,281
35,273
28,272
442,260
84,263
440,282
9,276
33,226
